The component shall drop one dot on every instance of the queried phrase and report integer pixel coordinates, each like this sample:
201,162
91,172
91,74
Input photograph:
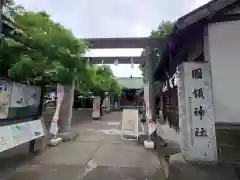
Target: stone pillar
196,117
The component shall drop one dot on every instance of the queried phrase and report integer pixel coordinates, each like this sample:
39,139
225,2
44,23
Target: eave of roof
184,23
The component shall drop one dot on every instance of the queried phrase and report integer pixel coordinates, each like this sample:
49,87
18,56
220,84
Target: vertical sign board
96,107
196,119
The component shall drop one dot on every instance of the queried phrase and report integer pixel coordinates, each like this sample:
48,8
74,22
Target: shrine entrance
146,43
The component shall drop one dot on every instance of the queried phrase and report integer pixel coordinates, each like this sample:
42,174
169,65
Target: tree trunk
65,116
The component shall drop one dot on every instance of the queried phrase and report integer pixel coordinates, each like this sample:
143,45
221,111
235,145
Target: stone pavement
97,153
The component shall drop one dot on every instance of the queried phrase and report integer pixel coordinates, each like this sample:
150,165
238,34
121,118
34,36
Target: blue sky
113,18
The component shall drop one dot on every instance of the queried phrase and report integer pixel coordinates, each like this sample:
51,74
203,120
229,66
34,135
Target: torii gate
147,43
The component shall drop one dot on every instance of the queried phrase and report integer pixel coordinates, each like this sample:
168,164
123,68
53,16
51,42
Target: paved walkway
98,153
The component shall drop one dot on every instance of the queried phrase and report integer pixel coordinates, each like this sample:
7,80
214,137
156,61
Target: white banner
151,124
54,123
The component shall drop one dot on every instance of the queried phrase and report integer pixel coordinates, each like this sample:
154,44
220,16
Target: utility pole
1,22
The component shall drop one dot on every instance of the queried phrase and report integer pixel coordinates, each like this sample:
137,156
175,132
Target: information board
24,100
17,134
18,100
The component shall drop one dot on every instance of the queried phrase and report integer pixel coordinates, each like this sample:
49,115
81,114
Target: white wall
224,56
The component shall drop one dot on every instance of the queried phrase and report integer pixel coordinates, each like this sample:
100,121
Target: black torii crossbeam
123,43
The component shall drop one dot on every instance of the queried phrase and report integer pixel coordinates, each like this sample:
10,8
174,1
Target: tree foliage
163,31
99,80
53,53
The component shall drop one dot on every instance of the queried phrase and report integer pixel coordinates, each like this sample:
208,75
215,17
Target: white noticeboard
130,122
196,118
96,107
17,134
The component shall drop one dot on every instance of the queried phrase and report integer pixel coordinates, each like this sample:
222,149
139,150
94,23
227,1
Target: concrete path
98,153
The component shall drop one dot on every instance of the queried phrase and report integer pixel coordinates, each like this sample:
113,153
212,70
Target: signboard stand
130,125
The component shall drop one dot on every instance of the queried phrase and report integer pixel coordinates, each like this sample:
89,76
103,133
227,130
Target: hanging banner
4,99
96,107
151,124
24,100
54,123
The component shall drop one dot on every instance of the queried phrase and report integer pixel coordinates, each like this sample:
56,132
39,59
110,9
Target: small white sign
130,122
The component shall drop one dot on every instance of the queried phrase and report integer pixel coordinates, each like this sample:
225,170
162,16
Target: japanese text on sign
200,132
198,93
197,73
199,112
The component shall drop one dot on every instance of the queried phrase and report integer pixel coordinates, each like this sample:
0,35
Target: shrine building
199,94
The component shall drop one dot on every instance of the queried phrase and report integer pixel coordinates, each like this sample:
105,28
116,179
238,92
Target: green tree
47,53
163,31
103,81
